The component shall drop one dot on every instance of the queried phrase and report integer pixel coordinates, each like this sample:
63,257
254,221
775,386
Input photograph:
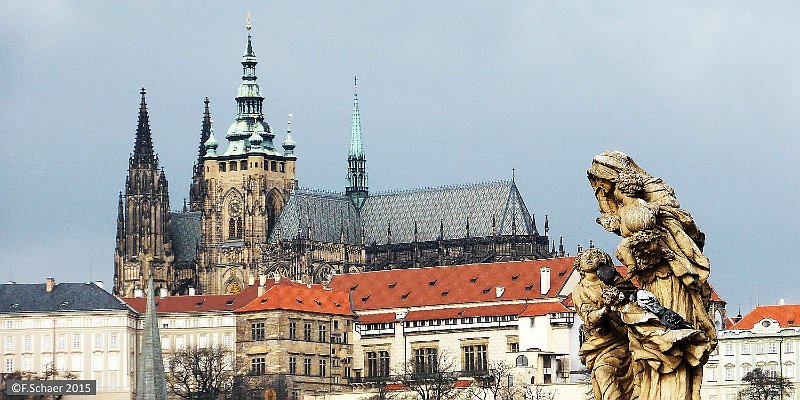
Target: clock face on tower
234,207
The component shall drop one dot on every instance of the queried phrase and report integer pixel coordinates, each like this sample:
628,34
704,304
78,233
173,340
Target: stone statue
605,347
669,331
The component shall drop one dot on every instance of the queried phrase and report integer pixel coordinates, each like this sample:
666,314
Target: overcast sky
705,96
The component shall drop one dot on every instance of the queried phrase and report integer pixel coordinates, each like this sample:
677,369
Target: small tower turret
288,144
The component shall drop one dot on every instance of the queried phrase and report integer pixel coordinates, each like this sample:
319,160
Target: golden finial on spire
248,26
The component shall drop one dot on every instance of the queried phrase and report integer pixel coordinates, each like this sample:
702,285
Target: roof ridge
440,188
314,191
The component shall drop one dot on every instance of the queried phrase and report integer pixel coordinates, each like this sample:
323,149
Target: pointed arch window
232,228
235,228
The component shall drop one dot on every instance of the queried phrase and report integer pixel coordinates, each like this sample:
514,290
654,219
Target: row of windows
730,372
242,165
771,347
258,366
61,342
258,332
440,322
99,362
474,357
63,322
202,341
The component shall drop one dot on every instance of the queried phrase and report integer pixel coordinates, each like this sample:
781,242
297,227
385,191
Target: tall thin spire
204,132
143,148
357,178
356,144
151,381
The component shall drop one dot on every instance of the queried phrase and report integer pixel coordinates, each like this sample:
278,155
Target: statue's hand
609,222
612,296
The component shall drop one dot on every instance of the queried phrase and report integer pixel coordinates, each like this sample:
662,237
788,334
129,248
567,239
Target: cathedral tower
143,219
197,188
246,187
357,188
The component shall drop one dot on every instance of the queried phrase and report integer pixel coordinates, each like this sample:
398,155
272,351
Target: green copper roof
356,145
249,121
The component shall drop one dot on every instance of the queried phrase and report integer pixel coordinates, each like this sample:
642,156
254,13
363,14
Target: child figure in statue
605,346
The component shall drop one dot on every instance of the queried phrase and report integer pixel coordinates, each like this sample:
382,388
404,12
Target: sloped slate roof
459,284
33,297
492,208
318,215
185,233
446,209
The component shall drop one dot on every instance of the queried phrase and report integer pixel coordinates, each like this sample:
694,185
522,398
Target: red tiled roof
787,315
544,308
473,283
463,383
568,301
461,312
291,296
201,303
395,387
729,322
715,295
377,318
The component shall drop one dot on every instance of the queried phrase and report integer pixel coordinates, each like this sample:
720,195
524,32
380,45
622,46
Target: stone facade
310,351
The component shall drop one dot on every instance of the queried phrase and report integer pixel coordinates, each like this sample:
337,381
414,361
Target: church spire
205,131
357,188
356,144
143,148
151,381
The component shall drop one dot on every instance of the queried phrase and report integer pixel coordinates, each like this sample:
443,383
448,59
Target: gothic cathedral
247,217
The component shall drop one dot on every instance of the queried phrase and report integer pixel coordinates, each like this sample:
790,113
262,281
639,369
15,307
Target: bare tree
49,373
201,373
433,378
498,384
765,386
539,392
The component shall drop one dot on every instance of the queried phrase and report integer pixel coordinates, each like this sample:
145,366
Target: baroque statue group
646,326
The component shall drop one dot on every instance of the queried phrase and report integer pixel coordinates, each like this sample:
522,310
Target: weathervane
248,26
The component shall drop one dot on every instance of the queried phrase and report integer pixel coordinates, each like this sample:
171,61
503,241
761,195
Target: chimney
99,284
277,277
781,302
251,280
498,291
138,293
262,279
544,277
50,283
191,291
162,292
261,290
